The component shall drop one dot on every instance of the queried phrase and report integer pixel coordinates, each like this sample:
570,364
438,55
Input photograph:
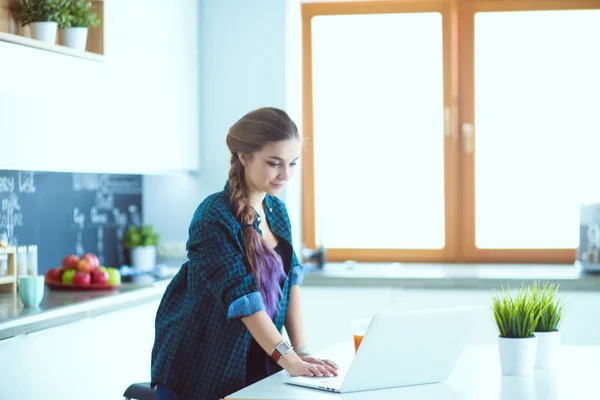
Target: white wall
245,54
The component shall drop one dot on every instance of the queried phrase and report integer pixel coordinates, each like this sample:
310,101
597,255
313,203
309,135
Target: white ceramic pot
44,31
143,258
75,38
517,356
547,348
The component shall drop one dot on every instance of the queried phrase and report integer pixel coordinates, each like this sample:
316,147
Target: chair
140,391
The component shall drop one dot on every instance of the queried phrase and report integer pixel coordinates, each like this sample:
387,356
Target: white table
476,376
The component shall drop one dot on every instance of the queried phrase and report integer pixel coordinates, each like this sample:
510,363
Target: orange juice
357,340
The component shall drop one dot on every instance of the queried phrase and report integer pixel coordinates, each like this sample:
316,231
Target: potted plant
80,16
142,242
550,307
516,319
43,16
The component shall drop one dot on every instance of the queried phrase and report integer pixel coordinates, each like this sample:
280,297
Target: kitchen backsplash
69,213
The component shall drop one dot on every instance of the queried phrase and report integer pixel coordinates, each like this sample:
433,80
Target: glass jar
32,260
3,264
22,260
3,239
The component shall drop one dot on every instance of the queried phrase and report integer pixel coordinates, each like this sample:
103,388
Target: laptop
402,349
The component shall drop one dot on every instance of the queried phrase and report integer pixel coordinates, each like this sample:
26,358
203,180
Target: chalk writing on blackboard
26,182
11,217
7,184
69,213
108,183
79,250
100,245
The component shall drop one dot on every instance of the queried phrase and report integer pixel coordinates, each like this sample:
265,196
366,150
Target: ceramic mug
31,290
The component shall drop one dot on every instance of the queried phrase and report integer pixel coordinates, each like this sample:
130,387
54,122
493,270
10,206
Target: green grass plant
550,306
516,316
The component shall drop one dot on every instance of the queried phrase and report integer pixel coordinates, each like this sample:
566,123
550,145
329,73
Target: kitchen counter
61,307
450,276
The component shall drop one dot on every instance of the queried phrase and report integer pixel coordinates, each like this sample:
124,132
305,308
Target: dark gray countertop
61,307
450,276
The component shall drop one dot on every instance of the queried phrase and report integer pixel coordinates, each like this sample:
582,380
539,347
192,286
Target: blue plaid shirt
201,344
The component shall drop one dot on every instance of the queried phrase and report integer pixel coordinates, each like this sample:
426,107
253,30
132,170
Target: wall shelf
8,283
55,48
11,32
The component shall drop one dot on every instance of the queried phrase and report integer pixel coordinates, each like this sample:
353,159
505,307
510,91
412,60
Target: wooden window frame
459,177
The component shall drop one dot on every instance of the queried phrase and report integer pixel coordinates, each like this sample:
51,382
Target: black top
256,362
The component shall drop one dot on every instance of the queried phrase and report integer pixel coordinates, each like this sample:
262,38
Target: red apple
70,262
88,263
82,279
94,260
99,277
54,274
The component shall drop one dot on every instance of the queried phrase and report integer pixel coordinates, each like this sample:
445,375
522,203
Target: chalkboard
69,213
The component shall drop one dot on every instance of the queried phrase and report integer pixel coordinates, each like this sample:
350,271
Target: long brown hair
247,136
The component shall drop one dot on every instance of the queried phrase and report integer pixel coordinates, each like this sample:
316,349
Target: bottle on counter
3,239
21,260
3,265
32,260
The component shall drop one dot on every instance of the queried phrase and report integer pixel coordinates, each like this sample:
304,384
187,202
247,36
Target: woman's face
269,169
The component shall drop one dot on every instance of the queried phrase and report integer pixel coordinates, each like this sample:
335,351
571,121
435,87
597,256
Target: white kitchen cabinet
135,112
581,324
56,363
421,299
329,309
9,368
127,360
94,358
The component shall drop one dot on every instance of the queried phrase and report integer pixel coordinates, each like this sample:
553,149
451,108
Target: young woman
218,327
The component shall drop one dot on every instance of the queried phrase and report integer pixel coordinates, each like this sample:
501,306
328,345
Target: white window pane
537,102
378,130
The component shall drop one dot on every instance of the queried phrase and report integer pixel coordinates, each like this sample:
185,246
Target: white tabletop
476,376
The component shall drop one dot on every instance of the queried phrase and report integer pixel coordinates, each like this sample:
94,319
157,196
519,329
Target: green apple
114,276
68,275
103,269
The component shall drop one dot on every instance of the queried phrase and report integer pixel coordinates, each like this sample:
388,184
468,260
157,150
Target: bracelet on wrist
302,352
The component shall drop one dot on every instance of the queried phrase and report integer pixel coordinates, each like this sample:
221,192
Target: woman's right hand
295,366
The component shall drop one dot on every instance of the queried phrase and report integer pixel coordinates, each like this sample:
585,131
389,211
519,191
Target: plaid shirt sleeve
299,271
218,256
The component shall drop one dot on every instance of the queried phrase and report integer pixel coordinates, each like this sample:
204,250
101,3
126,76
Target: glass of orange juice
359,327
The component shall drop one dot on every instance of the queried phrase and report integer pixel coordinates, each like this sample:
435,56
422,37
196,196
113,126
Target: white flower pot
75,38
517,356
44,31
143,258
547,348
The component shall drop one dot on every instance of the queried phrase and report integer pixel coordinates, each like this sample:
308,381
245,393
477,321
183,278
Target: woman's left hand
328,364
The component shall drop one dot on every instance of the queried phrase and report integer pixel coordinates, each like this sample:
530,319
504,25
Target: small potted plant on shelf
80,16
142,242
516,319
43,16
550,307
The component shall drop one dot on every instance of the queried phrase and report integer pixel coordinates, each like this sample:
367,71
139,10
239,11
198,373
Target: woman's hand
296,366
328,364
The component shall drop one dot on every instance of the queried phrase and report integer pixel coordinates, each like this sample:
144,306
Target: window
434,133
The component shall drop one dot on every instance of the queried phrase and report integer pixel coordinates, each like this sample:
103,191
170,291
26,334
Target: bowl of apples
82,273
